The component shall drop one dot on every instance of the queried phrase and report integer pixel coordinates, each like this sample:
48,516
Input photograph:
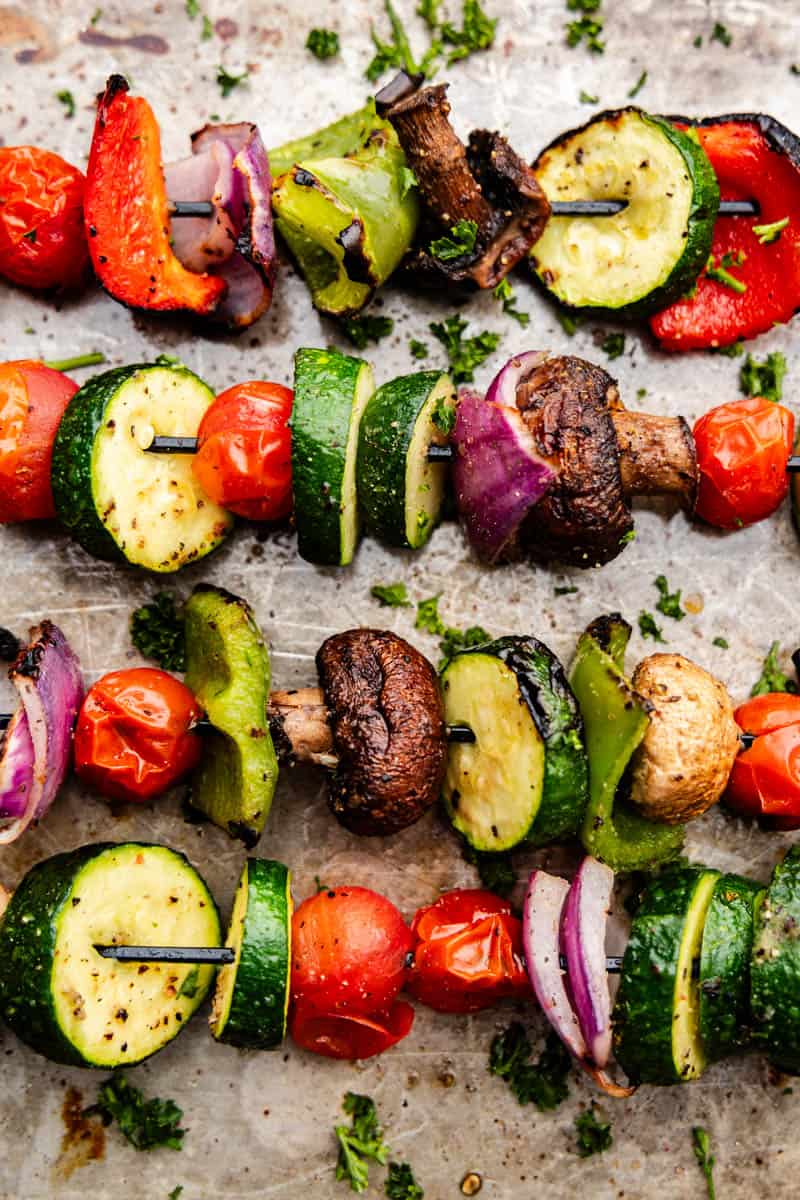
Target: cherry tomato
765,780
32,401
349,1035
42,239
742,448
349,948
244,457
133,736
468,953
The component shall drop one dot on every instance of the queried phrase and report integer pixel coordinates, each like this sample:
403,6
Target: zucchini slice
251,999
775,967
331,391
228,669
725,965
119,501
401,493
525,775
652,252
657,1015
60,996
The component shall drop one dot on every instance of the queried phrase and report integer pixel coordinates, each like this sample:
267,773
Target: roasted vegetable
32,402
42,239
775,967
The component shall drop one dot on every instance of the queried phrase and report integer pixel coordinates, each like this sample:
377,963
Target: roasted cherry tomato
348,1035
349,948
742,448
133,736
765,780
467,953
244,457
32,401
42,239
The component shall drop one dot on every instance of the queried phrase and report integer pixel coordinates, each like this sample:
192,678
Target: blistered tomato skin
42,238
742,449
765,780
32,401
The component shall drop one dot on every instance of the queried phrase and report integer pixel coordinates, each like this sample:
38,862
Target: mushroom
486,183
603,456
376,722
681,766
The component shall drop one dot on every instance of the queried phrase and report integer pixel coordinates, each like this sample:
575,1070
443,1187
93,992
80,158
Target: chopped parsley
637,87
586,28
701,1144
391,595
228,82
720,34
593,1134
428,616
359,1142
157,632
772,678
763,378
648,627
720,642
505,293
192,9
464,354
208,29
720,274
628,537
543,1083
68,100
452,639
669,603
364,329
408,180
698,41
323,43
586,98
613,345
417,349
564,591
569,322
444,415
400,1183
147,1124
767,234
461,240
476,33
495,871
176,1192
735,350
96,15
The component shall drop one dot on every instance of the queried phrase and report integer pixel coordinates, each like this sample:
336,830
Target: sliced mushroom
488,183
377,723
682,765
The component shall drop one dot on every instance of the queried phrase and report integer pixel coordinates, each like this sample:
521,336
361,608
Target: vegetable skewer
558,208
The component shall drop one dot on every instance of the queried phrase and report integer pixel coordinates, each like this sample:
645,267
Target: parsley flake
461,240
569,322
157,632
543,1083
772,678
147,1124
391,595
701,1144
228,82
648,627
400,1183
586,98
763,378
464,354
359,1142
613,345
720,274
669,603
767,234
720,34
585,28
505,293
323,43
637,87
720,642
364,329
594,1134
417,349
68,100
452,639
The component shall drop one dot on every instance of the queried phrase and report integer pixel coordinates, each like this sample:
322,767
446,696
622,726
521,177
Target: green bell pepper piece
227,668
615,721
346,211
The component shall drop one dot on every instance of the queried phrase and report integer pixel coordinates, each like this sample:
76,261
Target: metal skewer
163,444
558,208
215,956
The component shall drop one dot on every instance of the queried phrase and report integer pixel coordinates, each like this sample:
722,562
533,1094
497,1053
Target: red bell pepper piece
755,158
126,212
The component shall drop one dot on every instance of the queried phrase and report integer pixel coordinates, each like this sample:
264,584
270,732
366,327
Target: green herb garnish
628,537
613,345
701,1144
428,615
648,627
323,43
585,98
397,52
400,1183
720,642
408,180
460,241
68,100
147,1124
476,33
364,329
669,603
505,293
637,87
192,9
720,274
444,415
228,82
452,640
176,1192
359,1142
208,29
772,678
495,871
733,351
464,354
594,1135
190,984
157,632
569,322
417,349
391,595
763,378
96,15
543,1083
564,591
585,28
767,234
720,34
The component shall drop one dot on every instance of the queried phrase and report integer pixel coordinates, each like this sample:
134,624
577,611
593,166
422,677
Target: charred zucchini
775,967
725,965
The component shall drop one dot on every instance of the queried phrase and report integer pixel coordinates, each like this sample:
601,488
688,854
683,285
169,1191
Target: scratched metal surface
260,1124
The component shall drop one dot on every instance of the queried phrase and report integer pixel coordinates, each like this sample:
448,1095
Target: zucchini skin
725,965
775,967
73,452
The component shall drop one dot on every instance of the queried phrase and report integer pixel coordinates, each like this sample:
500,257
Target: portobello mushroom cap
387,719
682,765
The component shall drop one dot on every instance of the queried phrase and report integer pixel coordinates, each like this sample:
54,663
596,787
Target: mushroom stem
299,722
656,456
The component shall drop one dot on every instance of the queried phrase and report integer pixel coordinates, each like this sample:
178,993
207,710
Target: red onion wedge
16,768
541,933
503,388
583,939
498,474
47,677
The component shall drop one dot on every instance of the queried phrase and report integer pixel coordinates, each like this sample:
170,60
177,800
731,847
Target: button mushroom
682,765
377,723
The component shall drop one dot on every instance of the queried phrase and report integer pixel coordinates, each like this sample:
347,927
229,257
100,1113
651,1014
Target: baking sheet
260,1124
